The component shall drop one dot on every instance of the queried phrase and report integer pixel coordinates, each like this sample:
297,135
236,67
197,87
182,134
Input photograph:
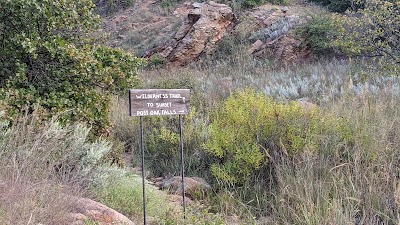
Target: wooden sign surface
159,102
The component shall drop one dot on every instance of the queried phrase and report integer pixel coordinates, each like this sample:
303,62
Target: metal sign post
143,175
182,167
160,102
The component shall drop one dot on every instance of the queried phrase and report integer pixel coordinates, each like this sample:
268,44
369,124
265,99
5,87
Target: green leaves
335,5
49,59
372,31
318,33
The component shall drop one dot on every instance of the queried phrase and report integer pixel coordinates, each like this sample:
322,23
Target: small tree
49,57
372,31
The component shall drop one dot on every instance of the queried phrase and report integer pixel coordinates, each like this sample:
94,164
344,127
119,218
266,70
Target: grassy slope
312,189
361,188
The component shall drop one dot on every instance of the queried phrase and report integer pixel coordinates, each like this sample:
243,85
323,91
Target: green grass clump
124,194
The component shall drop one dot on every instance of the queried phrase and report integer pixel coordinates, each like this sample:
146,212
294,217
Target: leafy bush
49,57
163,149
372,32
156,61
251,129
318,33
335,5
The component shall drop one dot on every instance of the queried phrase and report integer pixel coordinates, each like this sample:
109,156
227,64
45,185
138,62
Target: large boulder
202,29
86,209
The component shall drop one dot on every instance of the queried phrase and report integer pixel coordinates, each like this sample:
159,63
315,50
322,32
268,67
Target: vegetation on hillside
111,6
270,155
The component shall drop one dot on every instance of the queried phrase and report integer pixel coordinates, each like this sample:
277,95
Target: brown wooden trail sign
159,102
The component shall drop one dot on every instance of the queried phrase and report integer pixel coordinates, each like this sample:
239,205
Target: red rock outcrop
205,25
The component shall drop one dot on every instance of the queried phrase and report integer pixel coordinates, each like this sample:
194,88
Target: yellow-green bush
250,129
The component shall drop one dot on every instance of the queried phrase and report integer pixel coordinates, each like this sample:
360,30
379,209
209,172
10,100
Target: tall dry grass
44,166
354,184
36,172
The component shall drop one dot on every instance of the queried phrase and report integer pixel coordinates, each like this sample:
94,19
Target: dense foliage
372,31
251,129
335,5
318,33
50,58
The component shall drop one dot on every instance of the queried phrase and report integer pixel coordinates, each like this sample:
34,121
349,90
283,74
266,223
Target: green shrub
251,128
50,58
318,33
163,149
201,215
335,5
156,60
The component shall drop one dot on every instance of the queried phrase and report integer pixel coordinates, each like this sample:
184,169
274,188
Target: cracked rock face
204,26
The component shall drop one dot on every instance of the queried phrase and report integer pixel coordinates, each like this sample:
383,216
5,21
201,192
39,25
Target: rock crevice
204,26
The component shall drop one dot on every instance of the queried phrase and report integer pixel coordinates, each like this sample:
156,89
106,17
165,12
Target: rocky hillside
191,31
